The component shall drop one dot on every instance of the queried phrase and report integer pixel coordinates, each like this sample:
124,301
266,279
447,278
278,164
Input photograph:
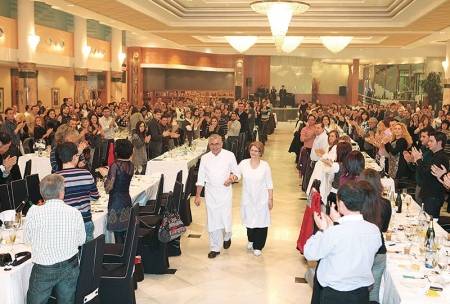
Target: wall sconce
122,56
96,53
55,45
445,65
33,40
86,50
2,33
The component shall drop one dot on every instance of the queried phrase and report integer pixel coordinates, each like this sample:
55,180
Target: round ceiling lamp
279,14
241,43
290,43
336,43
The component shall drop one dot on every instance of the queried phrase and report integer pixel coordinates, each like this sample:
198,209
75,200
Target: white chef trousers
216,239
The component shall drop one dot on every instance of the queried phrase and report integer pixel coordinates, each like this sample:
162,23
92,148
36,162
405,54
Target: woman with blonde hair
395,145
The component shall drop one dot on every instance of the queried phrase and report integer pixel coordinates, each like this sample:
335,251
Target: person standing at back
55,231
432,191
79,185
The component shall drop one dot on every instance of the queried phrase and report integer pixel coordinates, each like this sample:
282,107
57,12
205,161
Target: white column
81,48
447,57
25,30
116,50
446,93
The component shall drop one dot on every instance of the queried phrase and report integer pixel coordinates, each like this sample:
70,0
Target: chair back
176,198
96,160
34,193
159,195
132,221
27,168
179,176
241,147
19,194
189,184
130,251
5,199
91,259
28,144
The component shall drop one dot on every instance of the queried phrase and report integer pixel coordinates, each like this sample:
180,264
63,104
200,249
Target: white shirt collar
350,218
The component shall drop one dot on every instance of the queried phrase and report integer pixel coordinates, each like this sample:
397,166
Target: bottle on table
398,203
430,249
422,217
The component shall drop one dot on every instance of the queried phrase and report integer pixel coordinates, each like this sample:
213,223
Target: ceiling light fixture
290,43
336,43
280,14
241,43
86,50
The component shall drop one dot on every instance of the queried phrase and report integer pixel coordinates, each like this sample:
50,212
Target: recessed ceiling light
70,5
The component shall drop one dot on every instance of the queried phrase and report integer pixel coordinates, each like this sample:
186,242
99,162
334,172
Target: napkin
8,215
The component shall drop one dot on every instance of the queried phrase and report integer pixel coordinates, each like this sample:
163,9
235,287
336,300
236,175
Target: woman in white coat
257,197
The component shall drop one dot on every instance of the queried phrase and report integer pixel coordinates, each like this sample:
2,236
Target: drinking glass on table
11,238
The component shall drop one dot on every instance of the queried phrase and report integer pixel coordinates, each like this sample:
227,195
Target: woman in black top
40,132
380,216
213,127
400,142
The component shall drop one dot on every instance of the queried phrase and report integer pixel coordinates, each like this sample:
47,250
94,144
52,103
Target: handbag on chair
171,226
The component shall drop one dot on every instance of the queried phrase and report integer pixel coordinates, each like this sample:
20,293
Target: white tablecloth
14,283
395,288
175,160
39,164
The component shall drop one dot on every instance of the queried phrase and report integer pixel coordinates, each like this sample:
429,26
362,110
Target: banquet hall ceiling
202,24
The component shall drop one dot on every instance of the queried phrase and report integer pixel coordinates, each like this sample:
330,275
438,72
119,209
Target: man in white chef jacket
218,170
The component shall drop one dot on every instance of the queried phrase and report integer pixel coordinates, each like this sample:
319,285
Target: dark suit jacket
15,171
155,130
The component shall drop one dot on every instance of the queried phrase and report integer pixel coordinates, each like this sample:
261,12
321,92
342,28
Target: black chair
91,255
27,168
241,147
27,145
179,177
116,282
185,204
116,253
5,199
34,193
153,252
88,284
19,194
154,206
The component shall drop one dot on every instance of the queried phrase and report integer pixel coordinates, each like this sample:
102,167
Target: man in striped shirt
79,185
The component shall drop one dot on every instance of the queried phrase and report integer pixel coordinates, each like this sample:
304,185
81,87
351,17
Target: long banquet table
180,158
14,283
406,280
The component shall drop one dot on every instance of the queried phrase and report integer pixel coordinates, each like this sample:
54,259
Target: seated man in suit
8,159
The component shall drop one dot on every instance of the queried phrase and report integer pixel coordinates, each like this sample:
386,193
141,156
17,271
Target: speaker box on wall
343,91
249,82
237,92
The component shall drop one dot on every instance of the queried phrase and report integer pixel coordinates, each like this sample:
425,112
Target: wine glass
11,239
